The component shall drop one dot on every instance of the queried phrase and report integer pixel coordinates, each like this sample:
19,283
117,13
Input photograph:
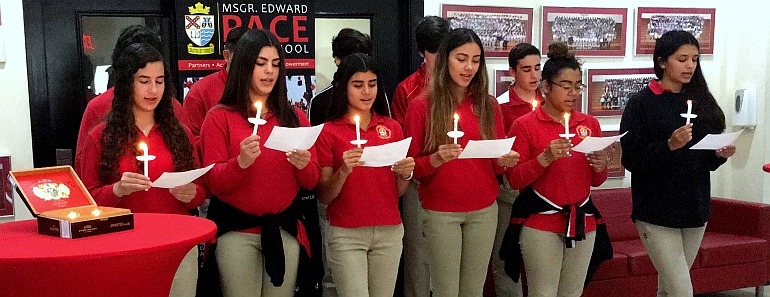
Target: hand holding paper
386,154
716,141
288,139
171,180
594,144
487,149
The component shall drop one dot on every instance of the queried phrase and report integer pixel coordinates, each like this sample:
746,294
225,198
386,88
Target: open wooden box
64,207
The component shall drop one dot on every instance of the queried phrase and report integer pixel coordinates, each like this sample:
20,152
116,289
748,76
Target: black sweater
669,188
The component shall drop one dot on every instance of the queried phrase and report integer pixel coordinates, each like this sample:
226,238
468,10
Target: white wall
15,134
741,59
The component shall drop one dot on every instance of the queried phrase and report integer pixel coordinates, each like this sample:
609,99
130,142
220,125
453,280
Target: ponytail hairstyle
442,103
705,105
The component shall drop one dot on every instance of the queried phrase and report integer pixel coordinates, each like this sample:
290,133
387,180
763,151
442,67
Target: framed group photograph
503,81
610,89
587,31
6,190
500,28
615,169
652,22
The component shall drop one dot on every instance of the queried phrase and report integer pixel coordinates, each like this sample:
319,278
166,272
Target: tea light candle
96,212
72,215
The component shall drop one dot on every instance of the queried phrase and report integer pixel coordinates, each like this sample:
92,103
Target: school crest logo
583,131
383,132
199,26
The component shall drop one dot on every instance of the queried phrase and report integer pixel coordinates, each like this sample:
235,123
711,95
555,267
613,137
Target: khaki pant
672,251
553,269
329,289
364,261
416,268
242,269
504,285
459,245
186,277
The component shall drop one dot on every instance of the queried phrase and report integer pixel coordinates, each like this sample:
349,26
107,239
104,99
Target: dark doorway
69,43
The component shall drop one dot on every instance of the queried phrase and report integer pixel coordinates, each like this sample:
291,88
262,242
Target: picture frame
503,81
6,190
590,32
500,28
652,22
615,168
609,89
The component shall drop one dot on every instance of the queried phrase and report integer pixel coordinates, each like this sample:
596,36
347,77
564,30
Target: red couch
735,252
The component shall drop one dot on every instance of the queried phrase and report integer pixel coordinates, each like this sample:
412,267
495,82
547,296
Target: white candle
566,123
357,119
143,147
689,111
258,105
457,119
96,212
72,215
534,104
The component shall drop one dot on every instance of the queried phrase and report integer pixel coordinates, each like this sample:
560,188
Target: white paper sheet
170,180
287,139
386,154
487,149
716,141
593,144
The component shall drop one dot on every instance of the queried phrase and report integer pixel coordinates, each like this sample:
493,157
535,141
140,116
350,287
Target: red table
139,262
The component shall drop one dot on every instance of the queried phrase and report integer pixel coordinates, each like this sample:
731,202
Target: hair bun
559,50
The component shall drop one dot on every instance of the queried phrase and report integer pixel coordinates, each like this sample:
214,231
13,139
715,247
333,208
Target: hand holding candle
455,134
689,115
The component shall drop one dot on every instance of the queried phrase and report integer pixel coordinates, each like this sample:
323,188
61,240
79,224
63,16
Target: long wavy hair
120,132
442,102
236,93
349,66
705,106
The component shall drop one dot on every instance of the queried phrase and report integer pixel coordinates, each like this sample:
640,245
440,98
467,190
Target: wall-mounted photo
652,22
503,81
500,28
587,31
610,89
615,169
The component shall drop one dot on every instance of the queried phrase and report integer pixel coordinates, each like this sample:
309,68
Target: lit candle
146,158
357,119
258,105
72,215
566,123
96,212
689,111
457,119
534,104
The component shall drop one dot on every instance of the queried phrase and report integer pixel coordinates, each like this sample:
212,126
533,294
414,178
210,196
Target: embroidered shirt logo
583,131
383,132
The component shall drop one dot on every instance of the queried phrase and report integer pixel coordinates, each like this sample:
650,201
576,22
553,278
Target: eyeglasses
580,88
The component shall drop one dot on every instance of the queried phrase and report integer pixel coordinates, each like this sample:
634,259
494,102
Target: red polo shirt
460,185
369,196
516,107
270,184
203,95
411,88
567,180
95,113
158,200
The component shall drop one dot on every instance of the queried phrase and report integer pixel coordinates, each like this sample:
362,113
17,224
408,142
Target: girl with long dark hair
670,184
257,238
142,111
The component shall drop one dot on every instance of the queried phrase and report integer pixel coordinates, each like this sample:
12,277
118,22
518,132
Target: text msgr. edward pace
264,8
